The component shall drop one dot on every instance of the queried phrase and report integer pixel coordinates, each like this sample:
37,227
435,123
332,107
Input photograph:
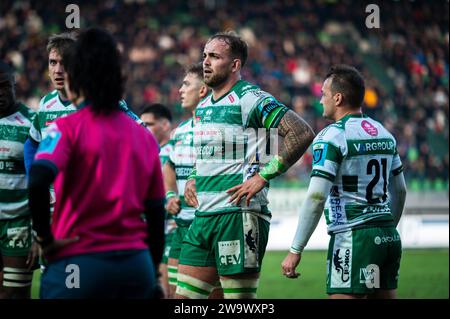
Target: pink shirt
107,168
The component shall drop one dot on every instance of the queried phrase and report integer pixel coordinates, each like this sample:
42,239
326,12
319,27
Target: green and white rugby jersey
13,183
182,158
231,143
358,155
164,152
51,107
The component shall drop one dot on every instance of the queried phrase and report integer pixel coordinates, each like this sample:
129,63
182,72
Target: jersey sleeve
55,147
35,129
261,110
328,151
123,106
397,166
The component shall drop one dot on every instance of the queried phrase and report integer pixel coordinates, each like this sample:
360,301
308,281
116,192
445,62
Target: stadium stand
292,43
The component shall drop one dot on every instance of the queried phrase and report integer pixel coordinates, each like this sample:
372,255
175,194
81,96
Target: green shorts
177,241
234,243
363,260
15,236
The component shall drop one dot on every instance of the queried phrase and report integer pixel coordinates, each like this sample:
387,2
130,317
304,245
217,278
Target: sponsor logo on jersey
386,239
250,241
268,105
370,276
374,146
17,117
334,191
49,105
369,128
342,266
229,252
319,153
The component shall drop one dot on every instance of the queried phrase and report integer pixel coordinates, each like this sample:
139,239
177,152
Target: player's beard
216,80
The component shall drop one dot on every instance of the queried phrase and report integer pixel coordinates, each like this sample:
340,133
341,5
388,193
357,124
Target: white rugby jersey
358,155
182,159
13,182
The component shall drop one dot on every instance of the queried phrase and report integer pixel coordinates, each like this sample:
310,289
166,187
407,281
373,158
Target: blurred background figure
157,118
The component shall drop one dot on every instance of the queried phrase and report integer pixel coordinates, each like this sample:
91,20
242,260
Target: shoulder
26,111
183,127
242,88
332,133
251,93
184,123
48,100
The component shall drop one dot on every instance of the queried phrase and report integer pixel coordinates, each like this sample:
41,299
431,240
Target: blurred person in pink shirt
106,237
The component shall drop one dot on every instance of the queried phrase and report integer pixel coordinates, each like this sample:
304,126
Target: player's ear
236,66
166,125
338,99
203,91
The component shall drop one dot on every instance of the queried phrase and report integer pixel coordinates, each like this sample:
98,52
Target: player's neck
164,141
342,112
220,90
62,95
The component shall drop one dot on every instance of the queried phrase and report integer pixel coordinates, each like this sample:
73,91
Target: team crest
369,128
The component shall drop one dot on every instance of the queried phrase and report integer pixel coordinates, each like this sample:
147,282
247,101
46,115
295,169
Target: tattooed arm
297,136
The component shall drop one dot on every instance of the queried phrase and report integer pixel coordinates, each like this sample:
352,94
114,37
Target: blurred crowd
291,46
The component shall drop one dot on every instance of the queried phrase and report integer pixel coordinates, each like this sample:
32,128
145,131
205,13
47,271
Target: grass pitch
423,275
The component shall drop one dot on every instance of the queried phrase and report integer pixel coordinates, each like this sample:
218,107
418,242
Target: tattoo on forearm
297,135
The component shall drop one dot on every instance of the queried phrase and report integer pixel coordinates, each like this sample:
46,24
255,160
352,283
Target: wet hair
349,82
93,66
195,68
159,111
61,42
238,47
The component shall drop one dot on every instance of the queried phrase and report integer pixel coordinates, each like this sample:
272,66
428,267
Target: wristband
273,169
296,251
170,194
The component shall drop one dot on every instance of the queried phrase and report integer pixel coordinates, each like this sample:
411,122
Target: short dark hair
348,81
93,66
159,111
61,42
195,68
238,47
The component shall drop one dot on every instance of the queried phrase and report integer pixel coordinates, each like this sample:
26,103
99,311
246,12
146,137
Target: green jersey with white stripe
13,183
230,138
51,107
182,158
358,155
